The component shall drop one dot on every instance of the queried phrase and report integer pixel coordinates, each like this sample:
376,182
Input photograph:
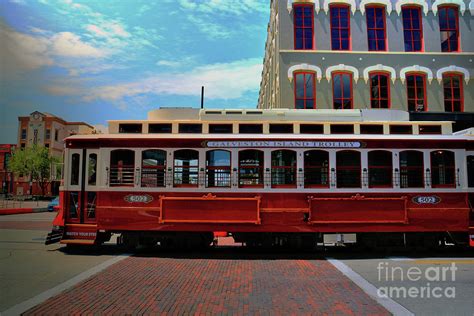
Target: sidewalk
8,207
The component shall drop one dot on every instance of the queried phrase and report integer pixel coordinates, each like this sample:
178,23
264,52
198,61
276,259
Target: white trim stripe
392,306
42,297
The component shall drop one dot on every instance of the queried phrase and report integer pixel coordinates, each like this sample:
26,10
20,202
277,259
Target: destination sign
286,144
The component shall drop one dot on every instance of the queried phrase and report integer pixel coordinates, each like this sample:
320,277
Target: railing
283,177
186,176
218,177
122,176
251,176
348,177
317,178
153,177
411,177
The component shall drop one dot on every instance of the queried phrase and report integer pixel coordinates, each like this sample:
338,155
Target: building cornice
375,53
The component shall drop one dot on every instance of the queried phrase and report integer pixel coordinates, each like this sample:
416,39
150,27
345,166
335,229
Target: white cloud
222,81
234,7
108,30
168,63
68,44
62,90
22,52
213,17
212,30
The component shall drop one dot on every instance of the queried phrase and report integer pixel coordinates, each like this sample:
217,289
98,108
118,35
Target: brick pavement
206,285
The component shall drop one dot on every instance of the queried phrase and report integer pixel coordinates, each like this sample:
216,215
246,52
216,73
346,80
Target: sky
101,60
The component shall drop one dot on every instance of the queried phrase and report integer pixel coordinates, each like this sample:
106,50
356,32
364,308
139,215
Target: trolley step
77,241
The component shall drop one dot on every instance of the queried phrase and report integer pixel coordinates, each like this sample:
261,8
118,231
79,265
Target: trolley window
217,168
153,168
186,168
342,129
316,168
190,128
380,168
162,128
250,128
411,169
92,170
220,128
401,129
122,165
281,128
430,129
130,128
311,129
470,171
348,169
283,168
250,168
442,169
371,129
75,160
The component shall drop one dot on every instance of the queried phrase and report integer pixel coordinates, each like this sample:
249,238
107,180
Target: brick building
6,178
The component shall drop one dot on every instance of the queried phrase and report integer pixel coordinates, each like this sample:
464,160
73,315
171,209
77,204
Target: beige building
45,129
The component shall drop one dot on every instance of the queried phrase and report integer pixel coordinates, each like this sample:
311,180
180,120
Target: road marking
40,298
389,304
443,261
400,258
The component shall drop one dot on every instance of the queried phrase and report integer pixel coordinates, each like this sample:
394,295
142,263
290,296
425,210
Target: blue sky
95,61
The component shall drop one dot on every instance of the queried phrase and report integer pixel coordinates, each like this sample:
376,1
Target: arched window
379,90
186,168
442,169
340,26
283,168
303,21
348,169
380,168
218,168
122,165
416,92
412,28
316,168
75,161
453,92
449,28
376,29
342,90
411,169
153,168
250,168
305,90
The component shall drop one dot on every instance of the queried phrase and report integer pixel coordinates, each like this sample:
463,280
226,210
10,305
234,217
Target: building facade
48,130
409,55
6,177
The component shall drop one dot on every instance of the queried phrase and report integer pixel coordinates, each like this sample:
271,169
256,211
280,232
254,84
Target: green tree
35,162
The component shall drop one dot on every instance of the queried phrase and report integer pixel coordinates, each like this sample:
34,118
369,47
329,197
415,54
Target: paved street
49,280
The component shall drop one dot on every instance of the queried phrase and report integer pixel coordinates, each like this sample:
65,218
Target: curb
12,211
